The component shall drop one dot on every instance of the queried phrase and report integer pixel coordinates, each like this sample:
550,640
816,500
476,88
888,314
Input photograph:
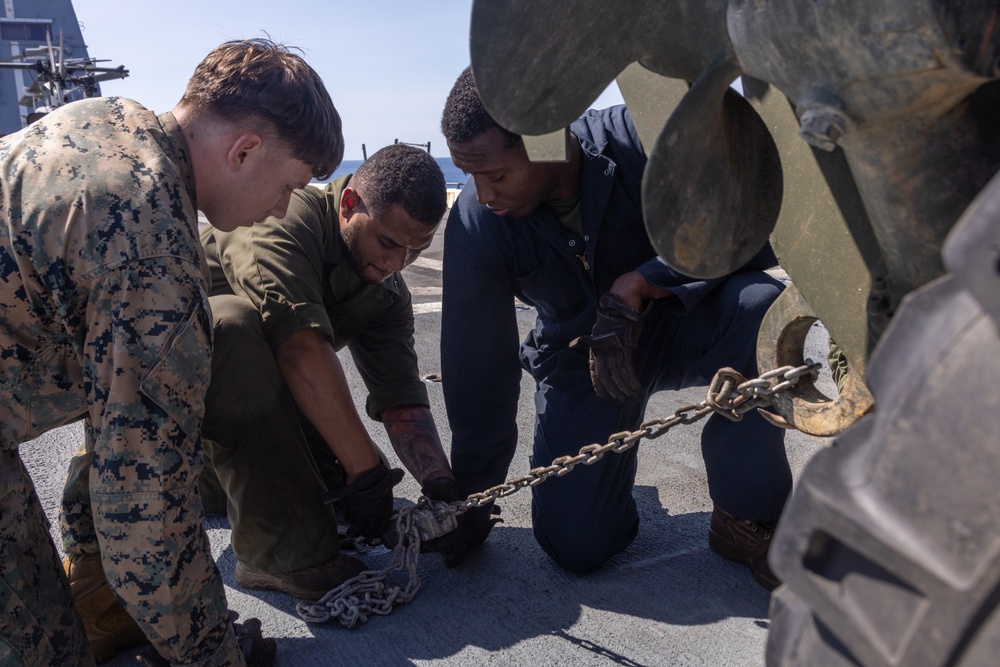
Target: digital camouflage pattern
103,312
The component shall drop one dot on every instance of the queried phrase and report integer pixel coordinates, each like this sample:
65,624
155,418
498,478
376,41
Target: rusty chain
729,394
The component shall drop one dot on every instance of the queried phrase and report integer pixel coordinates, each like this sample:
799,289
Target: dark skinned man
281,428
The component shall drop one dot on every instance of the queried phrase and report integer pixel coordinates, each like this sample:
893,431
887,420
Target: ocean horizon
453,176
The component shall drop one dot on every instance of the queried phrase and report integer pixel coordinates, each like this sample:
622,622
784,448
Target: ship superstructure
44,61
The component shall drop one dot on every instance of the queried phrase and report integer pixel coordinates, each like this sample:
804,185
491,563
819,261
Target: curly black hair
465,117
404,175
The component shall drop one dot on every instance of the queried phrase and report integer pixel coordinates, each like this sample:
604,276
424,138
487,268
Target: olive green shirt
295,271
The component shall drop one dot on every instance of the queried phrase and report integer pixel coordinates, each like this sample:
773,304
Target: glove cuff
441,488
614,306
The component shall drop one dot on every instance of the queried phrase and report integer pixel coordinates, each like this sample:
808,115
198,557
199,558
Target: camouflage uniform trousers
135,358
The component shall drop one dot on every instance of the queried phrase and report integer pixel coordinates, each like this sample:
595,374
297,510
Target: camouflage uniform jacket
103,311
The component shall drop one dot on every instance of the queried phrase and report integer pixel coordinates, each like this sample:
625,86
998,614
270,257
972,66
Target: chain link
729,394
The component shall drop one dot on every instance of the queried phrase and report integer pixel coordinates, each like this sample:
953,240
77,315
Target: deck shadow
509,592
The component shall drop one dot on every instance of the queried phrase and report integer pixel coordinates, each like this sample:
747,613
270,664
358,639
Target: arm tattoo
415,439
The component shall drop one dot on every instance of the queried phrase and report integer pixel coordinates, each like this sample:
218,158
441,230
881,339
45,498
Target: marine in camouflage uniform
103,313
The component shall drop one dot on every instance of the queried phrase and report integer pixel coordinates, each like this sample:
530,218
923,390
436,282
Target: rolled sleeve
410,392
282,318
686,292
278,264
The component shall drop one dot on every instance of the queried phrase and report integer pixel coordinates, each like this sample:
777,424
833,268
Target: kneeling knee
582,551
758,296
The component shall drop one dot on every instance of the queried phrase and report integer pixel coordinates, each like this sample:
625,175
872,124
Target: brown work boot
108,626
745,542
306,583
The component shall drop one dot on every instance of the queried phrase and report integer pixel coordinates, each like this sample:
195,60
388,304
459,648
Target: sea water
453,176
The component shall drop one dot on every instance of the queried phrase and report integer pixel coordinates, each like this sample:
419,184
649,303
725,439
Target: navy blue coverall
589,515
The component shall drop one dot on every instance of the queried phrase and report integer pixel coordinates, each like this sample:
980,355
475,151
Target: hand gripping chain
730,394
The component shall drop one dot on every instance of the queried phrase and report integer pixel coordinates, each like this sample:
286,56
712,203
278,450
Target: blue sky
387,64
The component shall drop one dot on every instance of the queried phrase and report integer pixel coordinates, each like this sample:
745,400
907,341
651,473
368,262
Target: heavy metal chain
730,395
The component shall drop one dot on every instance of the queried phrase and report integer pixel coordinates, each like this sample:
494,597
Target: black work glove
444,489
256,649
473,528
611,342
367,502
441,489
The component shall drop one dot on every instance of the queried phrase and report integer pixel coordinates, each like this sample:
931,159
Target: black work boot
744,542
108,626
306,583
